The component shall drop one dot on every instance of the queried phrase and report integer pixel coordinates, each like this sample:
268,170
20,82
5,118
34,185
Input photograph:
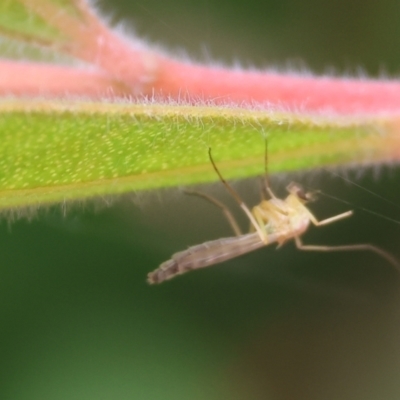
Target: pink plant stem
30,79
128,68
149,73
289,92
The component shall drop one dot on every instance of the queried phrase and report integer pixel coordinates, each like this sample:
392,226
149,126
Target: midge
274,220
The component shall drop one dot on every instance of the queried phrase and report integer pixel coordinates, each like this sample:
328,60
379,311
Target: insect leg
352,247
231,219
266,189
261,220
330,219
241,203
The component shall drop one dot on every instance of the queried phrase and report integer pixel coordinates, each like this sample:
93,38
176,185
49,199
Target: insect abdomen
206,254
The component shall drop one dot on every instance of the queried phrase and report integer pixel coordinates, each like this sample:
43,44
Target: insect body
272,221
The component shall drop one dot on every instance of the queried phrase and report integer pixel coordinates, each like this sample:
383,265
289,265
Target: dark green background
78,320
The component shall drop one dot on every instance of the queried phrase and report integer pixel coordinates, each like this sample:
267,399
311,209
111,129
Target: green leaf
56,151
32,29
19,20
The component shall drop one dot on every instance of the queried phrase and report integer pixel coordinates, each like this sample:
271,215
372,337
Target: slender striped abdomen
206,254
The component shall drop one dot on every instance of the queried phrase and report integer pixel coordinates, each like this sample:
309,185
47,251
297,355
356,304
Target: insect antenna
363,188
363,209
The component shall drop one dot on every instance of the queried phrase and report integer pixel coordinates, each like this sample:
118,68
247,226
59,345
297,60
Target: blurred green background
78,320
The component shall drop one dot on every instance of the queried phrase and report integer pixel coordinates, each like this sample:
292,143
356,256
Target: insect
274,220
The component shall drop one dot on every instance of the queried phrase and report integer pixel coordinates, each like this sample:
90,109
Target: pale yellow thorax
283,219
